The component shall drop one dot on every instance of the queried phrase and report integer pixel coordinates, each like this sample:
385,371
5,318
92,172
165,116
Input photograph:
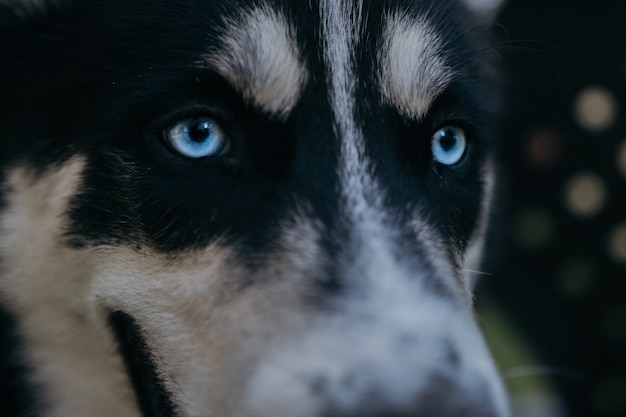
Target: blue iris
449,145
197,137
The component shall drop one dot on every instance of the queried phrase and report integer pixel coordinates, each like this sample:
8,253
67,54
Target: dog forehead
413,70
259,55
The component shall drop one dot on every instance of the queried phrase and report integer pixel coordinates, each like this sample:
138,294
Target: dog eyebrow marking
413,71
364,198
260,58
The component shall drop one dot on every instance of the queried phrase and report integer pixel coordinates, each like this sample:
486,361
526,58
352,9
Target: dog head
246,208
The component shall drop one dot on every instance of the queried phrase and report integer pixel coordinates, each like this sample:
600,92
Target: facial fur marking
260,58
474,252
330,289
413,72
341,26
363,196
45,284
373,235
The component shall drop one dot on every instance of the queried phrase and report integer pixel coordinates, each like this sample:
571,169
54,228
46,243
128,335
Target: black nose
443,397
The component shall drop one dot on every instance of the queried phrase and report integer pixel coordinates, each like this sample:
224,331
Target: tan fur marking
46,285
200,317
413,72
260,58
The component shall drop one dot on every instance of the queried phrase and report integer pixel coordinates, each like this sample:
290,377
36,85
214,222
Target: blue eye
197,137
449,145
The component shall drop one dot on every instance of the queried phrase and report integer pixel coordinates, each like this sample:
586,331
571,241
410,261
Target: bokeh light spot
621,158
595,109
617,243
585,194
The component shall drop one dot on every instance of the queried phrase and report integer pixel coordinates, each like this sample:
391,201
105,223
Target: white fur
413,70
235,341
472,259
363,197
260,58
363,341
389,342
436,253
222,349
204,328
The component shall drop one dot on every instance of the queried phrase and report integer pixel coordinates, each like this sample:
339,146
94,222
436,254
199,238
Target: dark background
557,257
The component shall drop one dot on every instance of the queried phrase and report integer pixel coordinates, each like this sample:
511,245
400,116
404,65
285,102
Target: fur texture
313,266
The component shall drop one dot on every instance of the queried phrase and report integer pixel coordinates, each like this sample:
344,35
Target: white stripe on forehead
341,28
260,58
413,72
362,195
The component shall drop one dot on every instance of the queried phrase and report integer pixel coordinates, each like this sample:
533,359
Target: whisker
530,371
557,58
472,271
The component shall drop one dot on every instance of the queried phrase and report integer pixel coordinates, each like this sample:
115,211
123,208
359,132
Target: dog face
246,208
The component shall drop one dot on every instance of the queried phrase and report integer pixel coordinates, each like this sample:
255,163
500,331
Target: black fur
96,81
152,397
17,394
105,78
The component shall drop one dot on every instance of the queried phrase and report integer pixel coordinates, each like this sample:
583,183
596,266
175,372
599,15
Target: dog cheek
206,317
472,258
45,285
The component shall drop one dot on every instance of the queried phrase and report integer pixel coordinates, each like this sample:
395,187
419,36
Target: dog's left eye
449,145
197,137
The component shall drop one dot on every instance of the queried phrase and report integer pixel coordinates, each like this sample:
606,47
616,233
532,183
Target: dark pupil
199,130
447,140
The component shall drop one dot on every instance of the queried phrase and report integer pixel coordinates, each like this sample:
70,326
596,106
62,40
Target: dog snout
443,396
373,376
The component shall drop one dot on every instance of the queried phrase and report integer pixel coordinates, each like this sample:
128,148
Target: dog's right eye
197,137
449,145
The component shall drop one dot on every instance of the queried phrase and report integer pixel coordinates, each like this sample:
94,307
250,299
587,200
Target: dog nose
409,359
443,397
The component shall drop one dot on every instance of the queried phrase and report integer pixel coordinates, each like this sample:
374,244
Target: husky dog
244,208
